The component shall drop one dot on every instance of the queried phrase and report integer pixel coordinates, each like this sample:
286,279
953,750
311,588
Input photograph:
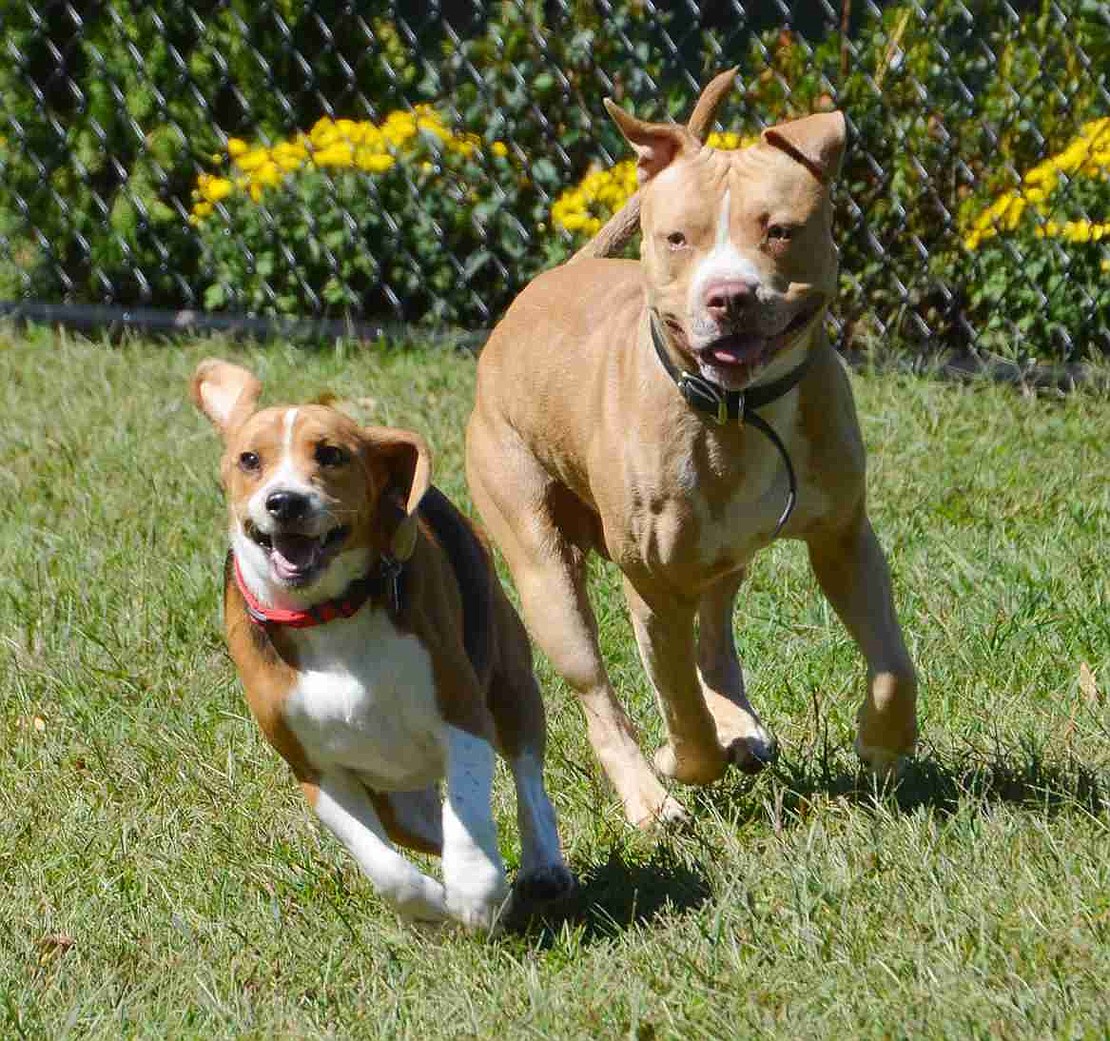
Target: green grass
161,877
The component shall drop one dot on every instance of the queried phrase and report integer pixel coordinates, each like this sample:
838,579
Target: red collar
354,596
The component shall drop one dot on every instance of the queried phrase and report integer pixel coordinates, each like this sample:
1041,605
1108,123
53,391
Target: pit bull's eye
779,233
676,240
330,455
249,462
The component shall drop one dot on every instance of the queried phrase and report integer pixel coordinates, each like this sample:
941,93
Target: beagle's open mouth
296,558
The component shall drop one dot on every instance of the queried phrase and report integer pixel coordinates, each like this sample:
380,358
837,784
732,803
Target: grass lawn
160,876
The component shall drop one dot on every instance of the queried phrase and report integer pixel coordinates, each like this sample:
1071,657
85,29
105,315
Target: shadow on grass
621,893
940,780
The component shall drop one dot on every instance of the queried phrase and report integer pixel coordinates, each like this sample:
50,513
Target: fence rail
363,162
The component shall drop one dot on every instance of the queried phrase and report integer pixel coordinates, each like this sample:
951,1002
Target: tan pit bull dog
379,652
663,414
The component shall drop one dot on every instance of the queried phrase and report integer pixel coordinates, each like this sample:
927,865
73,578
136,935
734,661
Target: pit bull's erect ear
816,141
408,464
227,394
705,111
657,145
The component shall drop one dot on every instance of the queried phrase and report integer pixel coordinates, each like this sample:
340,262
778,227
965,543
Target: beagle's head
313,498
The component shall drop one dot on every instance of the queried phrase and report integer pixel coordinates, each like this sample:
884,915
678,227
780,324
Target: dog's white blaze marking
723,261
539,834
345,809
285,477
473,873
289,420
722,219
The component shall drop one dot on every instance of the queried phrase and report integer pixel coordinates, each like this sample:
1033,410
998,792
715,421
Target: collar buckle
709,398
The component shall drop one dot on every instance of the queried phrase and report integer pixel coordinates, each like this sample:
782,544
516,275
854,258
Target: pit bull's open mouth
296,558
751,350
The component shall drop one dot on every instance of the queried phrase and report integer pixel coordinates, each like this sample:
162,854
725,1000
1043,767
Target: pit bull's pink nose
723,299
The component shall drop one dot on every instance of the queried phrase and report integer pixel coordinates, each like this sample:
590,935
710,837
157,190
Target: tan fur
579,441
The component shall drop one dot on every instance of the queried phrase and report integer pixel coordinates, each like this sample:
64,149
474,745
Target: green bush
939,127
948,105
109,107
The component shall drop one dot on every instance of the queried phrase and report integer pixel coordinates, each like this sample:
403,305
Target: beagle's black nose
287,506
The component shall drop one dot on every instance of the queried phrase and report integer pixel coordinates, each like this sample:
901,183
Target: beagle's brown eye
779,233
676,240
330,455
250,462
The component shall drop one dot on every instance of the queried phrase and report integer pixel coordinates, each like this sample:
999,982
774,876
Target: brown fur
380,491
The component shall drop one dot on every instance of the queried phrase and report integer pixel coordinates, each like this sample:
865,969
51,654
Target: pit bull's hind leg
514,496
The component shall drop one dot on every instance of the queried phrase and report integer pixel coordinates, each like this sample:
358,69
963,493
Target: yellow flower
268,175
341,153
598,195
330,143
376,163
213,189
729,140
253,159
1086,155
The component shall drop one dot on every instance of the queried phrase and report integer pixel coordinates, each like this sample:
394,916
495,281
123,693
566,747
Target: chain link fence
417,163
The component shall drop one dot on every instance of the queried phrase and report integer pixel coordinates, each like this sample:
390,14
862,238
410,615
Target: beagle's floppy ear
407,461
657,145
227,394
817,142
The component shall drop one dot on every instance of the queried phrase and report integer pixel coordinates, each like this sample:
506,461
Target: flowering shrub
107,113
1040,252
361,216
1043,191
417,215
331,144
583,209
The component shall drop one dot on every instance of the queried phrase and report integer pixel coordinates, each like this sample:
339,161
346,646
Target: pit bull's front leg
665,635
852,571
745,740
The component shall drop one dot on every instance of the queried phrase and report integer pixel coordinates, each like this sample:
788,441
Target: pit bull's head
737,245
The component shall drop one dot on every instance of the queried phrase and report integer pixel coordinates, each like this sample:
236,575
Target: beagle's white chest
365,700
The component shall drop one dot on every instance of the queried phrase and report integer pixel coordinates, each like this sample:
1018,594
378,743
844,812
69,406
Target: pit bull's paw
885,763
688,769
667,812
753,753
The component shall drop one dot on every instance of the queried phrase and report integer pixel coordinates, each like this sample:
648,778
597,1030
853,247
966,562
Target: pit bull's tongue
736,350
293,555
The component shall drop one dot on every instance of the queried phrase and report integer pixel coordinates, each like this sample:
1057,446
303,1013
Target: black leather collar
706,396
736,405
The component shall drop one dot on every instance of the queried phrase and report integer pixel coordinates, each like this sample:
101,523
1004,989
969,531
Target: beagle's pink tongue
293,555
